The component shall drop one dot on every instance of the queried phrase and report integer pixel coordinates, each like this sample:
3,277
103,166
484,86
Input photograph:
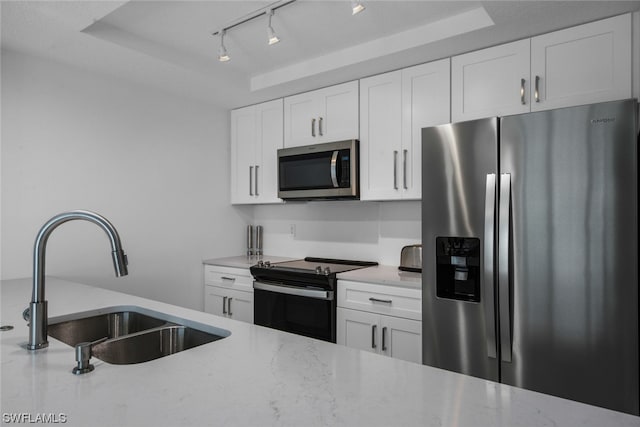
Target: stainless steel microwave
319,171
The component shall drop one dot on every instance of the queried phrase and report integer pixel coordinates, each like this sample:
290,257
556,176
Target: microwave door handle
334,168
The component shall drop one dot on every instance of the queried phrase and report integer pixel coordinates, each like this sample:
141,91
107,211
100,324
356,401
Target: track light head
356,7
271,34
223,55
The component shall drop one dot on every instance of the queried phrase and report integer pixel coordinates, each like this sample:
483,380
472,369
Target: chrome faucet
38,305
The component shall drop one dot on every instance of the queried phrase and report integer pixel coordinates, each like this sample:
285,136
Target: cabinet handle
373,336
395,169
233,279
313,127
522,82
404,169
384,333
386,301
224,305
256,176
251,180
229,306
320,126
537,89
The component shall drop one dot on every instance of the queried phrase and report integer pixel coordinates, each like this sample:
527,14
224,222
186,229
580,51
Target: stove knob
327,271
318,270
267,264
260,263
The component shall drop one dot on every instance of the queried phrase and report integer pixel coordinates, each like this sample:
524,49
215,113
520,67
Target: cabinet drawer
382,299
228,277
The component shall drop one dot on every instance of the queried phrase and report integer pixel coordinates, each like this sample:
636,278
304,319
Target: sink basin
111,325
133,334
153,344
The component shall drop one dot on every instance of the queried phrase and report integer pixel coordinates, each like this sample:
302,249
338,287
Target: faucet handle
26,314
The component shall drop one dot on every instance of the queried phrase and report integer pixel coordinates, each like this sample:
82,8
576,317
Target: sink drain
6,328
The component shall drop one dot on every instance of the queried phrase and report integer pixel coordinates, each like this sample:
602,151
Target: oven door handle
294,290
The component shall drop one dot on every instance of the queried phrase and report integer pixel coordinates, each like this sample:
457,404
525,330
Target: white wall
154,164
367,231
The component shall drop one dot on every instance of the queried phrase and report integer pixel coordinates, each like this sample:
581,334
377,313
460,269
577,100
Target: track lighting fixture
272,37
356,7
223,56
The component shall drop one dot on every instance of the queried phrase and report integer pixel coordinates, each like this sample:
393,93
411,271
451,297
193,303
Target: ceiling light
273,38
223,56
356,7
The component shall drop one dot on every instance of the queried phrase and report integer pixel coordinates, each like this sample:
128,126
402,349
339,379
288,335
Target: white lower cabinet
388,335
380,318
228,292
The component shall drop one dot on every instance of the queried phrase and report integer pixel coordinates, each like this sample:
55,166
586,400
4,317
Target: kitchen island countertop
255,377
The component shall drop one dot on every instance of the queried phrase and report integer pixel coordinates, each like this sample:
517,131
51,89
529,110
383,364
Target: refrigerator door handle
503,267
488,267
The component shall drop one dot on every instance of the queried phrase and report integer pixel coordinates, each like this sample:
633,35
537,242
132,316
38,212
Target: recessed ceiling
169,44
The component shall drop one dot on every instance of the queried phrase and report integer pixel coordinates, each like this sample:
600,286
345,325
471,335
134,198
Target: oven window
291,313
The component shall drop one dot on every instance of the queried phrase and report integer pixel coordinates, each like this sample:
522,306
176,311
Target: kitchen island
254,377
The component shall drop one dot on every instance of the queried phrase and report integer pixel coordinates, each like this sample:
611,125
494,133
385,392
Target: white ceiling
168,44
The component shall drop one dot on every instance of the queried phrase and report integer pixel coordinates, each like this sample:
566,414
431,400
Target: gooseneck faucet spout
38,305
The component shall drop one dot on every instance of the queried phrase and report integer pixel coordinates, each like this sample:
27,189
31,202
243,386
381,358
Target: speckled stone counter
255,377
384,275
243,261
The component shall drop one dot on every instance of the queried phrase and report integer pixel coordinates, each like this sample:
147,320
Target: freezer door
459,165
573,253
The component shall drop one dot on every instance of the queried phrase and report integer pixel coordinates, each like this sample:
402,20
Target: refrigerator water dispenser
458,268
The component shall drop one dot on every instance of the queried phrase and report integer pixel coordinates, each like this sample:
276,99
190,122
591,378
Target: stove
299,296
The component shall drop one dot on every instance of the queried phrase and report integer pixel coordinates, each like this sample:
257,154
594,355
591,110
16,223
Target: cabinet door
214,300
358,329
401,338
338,115
380,136
488,82
426,102
582,65
270,139
300,119
240,305
243,143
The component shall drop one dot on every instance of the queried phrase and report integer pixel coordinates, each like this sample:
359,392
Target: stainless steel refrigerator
530,251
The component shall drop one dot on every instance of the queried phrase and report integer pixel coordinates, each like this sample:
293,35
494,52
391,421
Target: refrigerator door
459,165
573,254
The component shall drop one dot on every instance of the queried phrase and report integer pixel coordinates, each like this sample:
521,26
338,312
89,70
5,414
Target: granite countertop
243,261
384,275
255,377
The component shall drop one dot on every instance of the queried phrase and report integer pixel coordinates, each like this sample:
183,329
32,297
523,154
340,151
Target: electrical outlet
292,230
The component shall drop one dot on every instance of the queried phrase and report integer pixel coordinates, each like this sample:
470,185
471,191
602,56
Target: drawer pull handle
233,279
385,301
224,305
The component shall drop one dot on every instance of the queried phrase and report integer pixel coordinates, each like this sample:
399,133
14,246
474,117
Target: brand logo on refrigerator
603,120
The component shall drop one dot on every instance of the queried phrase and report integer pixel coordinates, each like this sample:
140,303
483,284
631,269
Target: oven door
304,311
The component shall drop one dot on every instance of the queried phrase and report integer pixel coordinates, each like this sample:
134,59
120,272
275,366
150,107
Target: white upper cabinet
256,135
394,107
324,115
580,65
490,82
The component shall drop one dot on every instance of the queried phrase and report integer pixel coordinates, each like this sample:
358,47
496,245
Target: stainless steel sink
128,334
110,325
152,344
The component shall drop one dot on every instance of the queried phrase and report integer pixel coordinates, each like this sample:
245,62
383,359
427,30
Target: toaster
411,258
